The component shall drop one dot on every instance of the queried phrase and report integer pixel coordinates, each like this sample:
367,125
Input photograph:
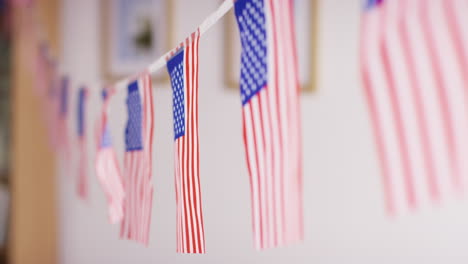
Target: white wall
344,213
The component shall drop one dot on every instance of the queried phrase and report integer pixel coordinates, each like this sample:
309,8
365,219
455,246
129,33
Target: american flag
414,72
137,172
183,70
271,120
107,165
63,119
82,185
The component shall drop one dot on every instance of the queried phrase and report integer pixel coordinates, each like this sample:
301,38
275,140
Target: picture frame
306,20
134,33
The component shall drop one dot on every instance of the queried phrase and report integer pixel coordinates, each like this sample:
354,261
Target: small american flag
62,119
107,165
414,66
137,175
82,185
183,69
271,120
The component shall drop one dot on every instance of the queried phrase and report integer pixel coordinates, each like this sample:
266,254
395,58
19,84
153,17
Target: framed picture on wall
306,20
134,34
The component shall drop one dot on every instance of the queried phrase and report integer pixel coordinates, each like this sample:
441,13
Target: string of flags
417,102
271,121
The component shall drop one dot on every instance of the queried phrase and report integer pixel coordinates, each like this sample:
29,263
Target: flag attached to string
107,166
271,120
137,173
82,184
62,119
183,70
412,65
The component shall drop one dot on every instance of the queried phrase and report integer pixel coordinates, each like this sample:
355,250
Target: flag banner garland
107,167
183,70
415,85
82,184
138,163
414,69
271,120
271,128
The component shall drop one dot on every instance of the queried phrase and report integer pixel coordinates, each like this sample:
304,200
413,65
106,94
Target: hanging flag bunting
107,166
417,97
82,186
138,169
271,120
183,70
62,119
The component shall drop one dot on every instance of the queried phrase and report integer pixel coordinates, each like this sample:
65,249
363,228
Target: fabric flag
413,67
183,70
138,169
82,186
271,119
62,119
107,166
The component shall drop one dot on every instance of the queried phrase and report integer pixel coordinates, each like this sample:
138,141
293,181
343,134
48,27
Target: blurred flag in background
107,166
414,66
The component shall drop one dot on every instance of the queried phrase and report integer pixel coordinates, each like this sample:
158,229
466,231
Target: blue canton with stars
175,67
81,113
63,96
133,131
250,16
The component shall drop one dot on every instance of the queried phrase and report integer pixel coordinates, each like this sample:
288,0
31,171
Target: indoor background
345,217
